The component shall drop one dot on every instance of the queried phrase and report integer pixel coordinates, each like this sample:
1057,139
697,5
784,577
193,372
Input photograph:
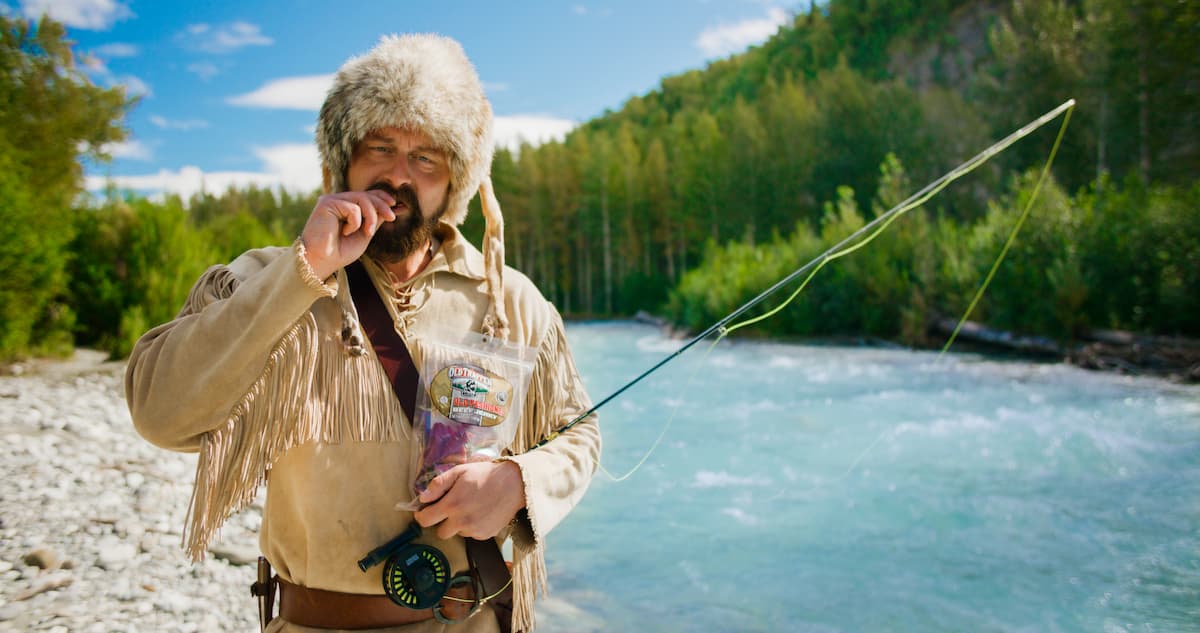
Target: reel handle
381,553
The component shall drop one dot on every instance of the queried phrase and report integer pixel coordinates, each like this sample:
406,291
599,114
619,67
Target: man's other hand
340,227
474,500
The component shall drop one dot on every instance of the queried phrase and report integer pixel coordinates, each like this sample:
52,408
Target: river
820,488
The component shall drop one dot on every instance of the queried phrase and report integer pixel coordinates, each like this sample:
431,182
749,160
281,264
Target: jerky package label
471,395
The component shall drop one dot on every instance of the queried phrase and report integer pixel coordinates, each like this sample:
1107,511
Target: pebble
92,500
115,555
42,558
83,485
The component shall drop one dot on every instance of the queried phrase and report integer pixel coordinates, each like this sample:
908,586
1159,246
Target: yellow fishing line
666,427
955,174
1012,236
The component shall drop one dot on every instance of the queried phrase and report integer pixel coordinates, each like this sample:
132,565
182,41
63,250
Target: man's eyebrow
429,149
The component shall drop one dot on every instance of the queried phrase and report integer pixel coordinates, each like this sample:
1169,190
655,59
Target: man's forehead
402,136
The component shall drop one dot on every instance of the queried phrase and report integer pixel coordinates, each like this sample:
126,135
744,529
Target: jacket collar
454,254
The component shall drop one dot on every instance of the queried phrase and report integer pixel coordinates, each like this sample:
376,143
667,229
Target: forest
690,199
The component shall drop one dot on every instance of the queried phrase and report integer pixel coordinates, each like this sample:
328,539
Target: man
268,370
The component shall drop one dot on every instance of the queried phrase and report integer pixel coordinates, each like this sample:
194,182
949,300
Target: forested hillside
747,168
693,197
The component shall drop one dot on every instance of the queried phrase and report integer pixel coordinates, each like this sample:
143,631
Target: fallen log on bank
980,333
1174,357
1128,352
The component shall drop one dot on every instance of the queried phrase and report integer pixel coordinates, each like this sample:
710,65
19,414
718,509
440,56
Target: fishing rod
843,247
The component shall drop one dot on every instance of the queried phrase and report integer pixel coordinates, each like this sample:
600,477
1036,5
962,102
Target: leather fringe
547,396
297,399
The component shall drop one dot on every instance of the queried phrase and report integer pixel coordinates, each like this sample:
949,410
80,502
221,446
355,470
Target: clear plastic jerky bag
469,402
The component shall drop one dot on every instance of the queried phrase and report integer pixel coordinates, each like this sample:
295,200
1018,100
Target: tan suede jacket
254,374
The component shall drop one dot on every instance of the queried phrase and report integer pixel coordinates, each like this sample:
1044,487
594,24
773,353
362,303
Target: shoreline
1176,359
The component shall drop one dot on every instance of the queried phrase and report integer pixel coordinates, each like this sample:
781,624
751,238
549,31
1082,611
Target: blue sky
231,89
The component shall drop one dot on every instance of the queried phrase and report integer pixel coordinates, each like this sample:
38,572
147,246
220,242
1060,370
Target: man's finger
429,515
448,529
440,485
349,213
368,206
384,204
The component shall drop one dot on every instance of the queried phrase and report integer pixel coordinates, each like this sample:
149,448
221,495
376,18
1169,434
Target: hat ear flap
495,323
326,181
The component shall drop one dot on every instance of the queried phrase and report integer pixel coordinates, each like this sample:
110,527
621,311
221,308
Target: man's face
405,164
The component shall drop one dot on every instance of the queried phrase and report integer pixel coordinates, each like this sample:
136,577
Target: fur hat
424,82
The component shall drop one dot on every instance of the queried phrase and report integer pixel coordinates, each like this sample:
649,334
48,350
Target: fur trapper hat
423,82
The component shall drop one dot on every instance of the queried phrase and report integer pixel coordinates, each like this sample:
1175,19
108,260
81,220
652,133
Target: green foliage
48,111
1025,294
1141,251
1128,257
33,259
135,262
698,195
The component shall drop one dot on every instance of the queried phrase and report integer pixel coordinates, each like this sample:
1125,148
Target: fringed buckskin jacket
255,374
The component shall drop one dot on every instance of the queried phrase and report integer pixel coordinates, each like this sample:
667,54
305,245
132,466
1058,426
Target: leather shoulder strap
389,347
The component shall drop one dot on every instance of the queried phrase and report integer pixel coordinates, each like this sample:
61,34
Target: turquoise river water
815,488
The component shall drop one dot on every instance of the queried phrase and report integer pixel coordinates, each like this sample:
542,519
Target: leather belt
321,609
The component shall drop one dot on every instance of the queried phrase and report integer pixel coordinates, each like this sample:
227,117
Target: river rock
234,554
114,555
42,558
84,487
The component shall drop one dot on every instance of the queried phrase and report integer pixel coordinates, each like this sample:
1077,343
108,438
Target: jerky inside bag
469,401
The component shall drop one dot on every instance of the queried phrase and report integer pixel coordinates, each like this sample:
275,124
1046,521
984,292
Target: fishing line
666,427
846,246
1013,235
904,207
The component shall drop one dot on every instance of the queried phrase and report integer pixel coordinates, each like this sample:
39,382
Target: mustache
403,194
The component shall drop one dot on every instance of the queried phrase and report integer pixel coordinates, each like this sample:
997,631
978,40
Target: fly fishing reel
415,576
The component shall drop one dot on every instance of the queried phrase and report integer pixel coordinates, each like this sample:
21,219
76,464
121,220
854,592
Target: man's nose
398,172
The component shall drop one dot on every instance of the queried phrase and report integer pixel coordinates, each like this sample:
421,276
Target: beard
405,235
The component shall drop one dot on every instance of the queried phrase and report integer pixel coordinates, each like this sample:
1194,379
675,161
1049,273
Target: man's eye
383,149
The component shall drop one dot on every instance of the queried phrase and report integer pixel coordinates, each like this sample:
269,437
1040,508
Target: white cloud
510,131
297,166
204,70
180,124
580,9
291,166
129,150
102,74
225,38
719,41
94,64
134,87
289,93
186,181
93,15
117,49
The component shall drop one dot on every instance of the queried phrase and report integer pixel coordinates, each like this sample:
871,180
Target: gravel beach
91,519
91,516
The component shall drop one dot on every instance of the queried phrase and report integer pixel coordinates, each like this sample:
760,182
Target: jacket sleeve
557,473
185,377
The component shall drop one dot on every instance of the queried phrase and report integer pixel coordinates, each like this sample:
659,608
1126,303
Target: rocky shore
91,516
91,519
